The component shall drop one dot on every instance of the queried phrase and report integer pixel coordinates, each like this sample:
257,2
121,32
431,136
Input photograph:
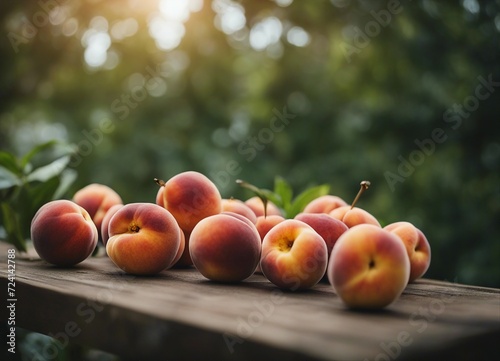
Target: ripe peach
144,238
264,224
255,203
238,206
327,227
97,199
368,267
225,247
180,251
417,247
190,197
294,255
105,222
354,216
63,233
324,204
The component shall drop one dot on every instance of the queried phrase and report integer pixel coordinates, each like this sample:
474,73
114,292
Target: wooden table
179,315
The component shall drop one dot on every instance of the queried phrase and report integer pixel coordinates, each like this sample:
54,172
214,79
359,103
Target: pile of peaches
228,240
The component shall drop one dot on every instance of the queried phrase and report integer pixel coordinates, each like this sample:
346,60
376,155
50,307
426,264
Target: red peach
63,233
368,267
97,199
144,238
324,204
257,206
105,222
327,227
264,224
225,247
238,206
294,255
417,247
190,197
354,216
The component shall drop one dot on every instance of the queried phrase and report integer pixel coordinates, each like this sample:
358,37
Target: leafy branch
28,182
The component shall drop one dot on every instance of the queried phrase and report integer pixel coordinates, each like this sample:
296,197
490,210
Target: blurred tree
403,93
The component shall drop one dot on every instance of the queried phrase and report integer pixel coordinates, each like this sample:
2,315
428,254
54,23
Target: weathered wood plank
180,315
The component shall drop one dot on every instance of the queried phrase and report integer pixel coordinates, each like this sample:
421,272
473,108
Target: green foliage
28,182
282,195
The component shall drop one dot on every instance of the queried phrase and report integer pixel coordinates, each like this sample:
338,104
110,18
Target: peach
105,222
264,224
417,247
238,206
180,251
225,247
63,233
368,267
257,206
354,216
190,196
294,255
97,199
329,228
324,204
144,238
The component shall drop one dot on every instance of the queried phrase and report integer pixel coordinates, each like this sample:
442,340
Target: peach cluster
189,224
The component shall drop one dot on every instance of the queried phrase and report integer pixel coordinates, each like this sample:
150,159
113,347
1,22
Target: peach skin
294,255
63,233
417,247
324,204
190,196
144,238
368,267
97,199
225,247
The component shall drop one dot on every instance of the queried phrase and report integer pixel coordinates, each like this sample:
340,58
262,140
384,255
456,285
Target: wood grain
179,315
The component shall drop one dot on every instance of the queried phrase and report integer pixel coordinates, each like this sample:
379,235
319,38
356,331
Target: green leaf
36,150
12,228
68,176
284,191
8,179
9,162
50,170
304,198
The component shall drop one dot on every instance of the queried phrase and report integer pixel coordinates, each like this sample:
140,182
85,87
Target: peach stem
364,186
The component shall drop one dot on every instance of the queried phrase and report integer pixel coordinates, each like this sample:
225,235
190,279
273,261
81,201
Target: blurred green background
404,94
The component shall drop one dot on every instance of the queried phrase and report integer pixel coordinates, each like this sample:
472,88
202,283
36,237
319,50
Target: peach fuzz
225,247
190,196
417,247
238,206
368,267
63,233
324,204
144,238
294,255
354,216
257,206
329,228
97,199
